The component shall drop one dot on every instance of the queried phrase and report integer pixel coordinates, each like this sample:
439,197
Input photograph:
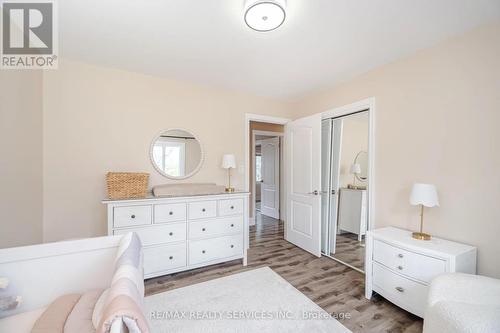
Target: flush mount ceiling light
264,15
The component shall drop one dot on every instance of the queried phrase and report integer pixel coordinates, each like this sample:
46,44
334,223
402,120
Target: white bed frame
41,273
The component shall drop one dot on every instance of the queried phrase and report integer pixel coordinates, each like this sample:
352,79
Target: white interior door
270,186
334,182
326,150
303,183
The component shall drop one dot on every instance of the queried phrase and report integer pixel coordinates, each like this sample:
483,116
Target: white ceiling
321,43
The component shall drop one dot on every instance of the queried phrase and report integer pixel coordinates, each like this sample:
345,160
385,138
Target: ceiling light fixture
264,15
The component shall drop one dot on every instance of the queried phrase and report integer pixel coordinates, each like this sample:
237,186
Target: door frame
359,106
281,137
263,119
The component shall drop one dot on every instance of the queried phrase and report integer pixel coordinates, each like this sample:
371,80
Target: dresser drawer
411,264
218,227
215,248
230,207
158,234
202,209
164,257
166,213
408,294
130,216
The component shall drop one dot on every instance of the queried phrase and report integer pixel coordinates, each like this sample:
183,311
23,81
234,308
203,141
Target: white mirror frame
361,179
192,173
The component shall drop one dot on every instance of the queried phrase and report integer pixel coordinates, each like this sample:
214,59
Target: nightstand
400,268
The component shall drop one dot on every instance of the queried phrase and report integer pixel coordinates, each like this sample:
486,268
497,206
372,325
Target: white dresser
181,233
352,212
400,268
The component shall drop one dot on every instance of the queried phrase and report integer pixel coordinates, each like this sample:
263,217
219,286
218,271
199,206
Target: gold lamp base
421,236
230,189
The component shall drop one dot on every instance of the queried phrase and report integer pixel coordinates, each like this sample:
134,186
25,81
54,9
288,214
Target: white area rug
254,301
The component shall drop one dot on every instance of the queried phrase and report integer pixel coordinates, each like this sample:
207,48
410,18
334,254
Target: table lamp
423,195
229,162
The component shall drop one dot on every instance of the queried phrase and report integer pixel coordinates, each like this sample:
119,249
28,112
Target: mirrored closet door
344,188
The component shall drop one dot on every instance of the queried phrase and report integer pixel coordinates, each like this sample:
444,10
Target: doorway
344,188
267,174
312,201
265,138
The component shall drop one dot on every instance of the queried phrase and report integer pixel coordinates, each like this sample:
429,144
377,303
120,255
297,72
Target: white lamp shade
228,161
355,169
424,194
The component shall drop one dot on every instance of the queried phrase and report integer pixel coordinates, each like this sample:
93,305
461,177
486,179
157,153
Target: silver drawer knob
202,229
203,251
400,255
232,225
170,257
232,246
400,268
203,209
132,216
171,233
170,213
232,207
400,289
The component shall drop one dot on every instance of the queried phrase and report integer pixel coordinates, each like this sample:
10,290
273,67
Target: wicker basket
127,185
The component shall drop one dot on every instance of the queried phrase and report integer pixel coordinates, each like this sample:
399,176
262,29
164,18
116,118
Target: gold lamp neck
229,189
421,235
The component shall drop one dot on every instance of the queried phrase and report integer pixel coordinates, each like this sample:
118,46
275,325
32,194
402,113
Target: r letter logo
29,36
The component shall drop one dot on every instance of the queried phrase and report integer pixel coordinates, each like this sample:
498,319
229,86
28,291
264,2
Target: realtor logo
29,36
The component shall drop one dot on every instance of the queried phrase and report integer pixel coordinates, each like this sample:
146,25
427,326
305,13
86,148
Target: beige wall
437,121
99,119
21,157
354,140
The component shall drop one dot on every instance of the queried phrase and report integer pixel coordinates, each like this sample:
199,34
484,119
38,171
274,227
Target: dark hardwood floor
336,288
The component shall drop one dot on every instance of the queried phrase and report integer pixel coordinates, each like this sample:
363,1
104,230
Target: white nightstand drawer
411,264
218,227
130,216
158,234
215,248
408,294
202,209
166,213
230,207
164,257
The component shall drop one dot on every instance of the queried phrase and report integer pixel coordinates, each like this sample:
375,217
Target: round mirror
362,160
176,153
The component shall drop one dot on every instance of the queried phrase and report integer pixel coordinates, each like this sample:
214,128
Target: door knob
315,192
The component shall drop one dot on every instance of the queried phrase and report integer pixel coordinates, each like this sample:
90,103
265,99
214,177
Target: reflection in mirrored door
344,184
